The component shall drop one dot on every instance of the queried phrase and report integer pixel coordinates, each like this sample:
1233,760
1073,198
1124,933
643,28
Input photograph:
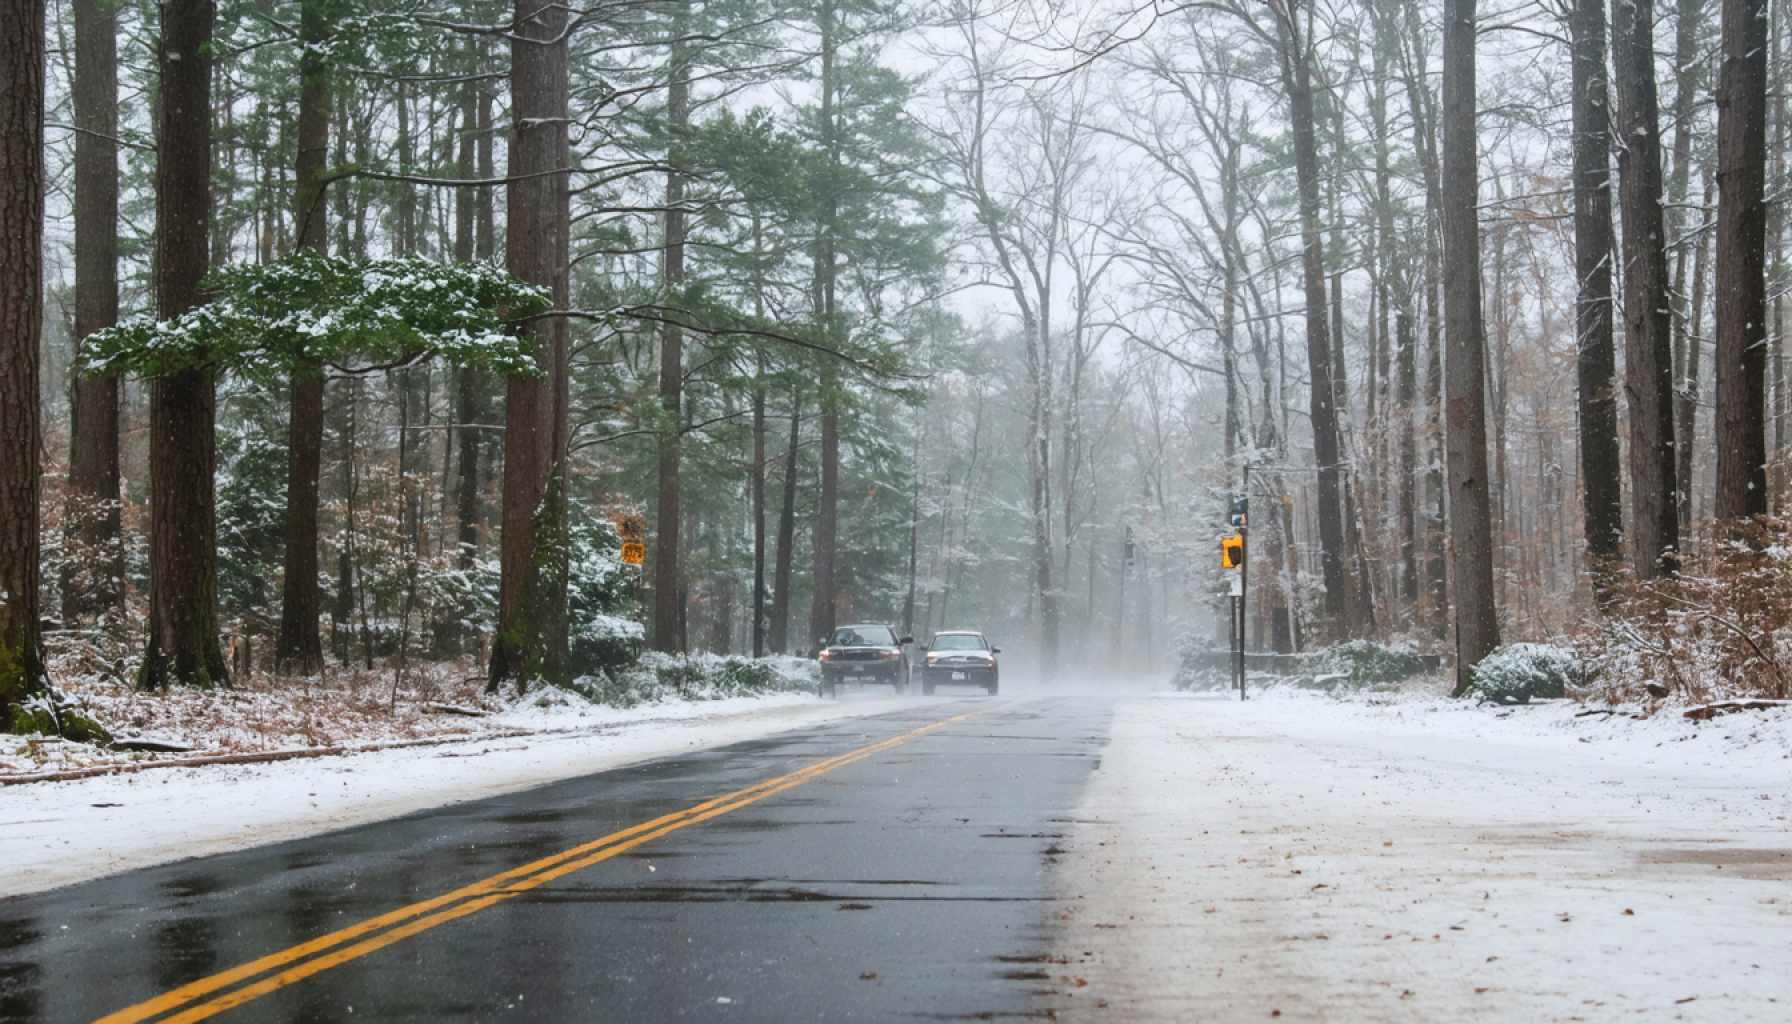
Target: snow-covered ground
351,708
57,833
1414,859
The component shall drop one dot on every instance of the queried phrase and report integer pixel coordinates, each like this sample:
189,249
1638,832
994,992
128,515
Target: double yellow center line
207,997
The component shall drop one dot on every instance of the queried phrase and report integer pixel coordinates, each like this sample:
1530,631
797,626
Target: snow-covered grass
359,708
1407,857
1633,733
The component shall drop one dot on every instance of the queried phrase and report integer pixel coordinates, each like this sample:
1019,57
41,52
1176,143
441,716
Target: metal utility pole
1244,572
1233,554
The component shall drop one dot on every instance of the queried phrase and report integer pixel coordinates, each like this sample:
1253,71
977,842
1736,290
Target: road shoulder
1319,863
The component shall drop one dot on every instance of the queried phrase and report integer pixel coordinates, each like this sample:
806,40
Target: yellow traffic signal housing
1232,551
631,528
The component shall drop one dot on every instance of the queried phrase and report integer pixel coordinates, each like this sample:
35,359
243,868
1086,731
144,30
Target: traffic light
1129,551
1232,551
1241,510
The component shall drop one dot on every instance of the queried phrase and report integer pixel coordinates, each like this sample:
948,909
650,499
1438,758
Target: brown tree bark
759,454
1465,376
183,550
668,579
827,510
1686,415
1741,249
1296,69
1394,424
474,396
299,647
470,404
93,571
1602,514
758,486
1424,132
780,614
1406,365
1690,19
531,637
1648,327
22,675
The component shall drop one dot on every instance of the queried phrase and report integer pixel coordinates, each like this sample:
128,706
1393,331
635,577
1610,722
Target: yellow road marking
469,899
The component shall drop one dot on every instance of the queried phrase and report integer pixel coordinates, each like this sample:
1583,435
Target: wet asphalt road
911,884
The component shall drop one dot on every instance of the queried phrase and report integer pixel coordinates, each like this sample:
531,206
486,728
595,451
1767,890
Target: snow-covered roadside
356,709
57,833
1621,735
1302,858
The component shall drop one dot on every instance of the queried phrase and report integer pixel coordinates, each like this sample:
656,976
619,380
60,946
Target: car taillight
825,654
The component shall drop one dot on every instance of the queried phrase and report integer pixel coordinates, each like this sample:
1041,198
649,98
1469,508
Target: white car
961,657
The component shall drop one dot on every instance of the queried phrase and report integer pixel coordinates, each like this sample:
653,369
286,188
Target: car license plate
958,675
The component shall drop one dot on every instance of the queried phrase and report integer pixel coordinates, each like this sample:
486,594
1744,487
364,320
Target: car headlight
889,655
933,659
826,654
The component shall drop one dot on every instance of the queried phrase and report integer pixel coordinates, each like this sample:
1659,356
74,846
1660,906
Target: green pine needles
269,320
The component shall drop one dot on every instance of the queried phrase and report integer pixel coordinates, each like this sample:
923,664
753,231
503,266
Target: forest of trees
334,332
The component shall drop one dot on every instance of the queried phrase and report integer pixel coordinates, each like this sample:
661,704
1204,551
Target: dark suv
863,654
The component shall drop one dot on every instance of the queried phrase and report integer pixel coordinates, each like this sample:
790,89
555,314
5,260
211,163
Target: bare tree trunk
1741,425
22,675
1039,469
1297,79
1424,132
183,549
1690,18
1686,417
1602,513
1392,424
780,614
300,646
1407,503
1779,275
914,522
1359,607
404,203
1648,329
1471,543
827,511
759,609
470,410
474,386
668,580
93,573
759,454
531,638
461,454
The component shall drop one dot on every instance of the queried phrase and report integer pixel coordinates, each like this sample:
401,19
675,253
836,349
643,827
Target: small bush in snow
1365,662
660,677
602,642
1718,630
1520,673
1195,665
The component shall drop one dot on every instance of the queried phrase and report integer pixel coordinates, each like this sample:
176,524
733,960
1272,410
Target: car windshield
959,642
863,636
